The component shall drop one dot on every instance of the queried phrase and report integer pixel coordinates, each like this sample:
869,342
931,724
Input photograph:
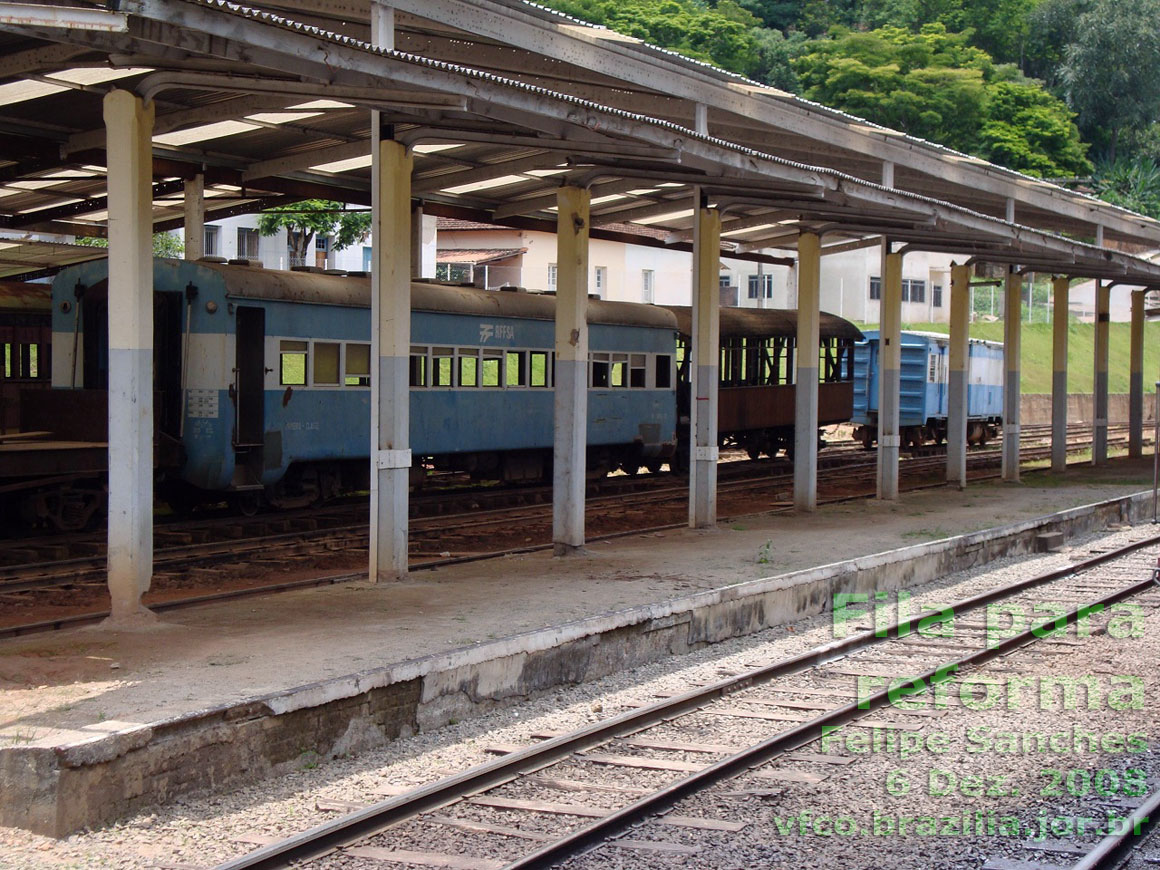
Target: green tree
1030,130
1050,29
929,84
1111,72
164,244
935,85
1133,184
303,220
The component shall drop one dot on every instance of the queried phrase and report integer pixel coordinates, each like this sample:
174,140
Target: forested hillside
1062,89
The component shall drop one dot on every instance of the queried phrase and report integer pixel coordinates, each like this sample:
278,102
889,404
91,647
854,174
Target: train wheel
248,503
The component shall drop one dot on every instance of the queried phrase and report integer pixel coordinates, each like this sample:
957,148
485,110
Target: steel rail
1112,850
325,838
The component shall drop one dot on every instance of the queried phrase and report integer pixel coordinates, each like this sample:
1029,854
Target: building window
760,283
247,243
913,291
552,277
875,287
211,241
600,279
936,295
646,285
368,257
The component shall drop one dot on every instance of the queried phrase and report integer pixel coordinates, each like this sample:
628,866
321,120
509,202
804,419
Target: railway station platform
98,724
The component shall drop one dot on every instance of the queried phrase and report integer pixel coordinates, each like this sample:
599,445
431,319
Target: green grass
1036,355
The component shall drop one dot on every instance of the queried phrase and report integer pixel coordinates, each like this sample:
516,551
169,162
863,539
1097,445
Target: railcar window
489,372
618,373
358,365
293,363
442,366
326,363
538,368
638,371
418,376
600,370
517,368
468,367
664,373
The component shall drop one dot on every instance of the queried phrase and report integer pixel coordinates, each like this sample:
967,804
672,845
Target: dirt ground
205,656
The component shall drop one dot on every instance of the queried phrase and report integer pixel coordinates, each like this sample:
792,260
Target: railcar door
250,376
167,311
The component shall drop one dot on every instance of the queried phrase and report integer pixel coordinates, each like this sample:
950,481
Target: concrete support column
129,127
701,118
889,376
1012,344
391,348
957,380
1100,381
1136,378
195,217
417,240
805,429
705,366
1060,288
570,451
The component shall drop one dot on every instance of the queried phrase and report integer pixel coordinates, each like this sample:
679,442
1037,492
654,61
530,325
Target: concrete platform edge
112,770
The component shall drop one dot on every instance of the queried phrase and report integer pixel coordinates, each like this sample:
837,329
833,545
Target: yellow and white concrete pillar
391,348
1100,381
805,430
1012,344
129,128
195,217
1136,378
1060,289
570,451
959,376
705,366
889,376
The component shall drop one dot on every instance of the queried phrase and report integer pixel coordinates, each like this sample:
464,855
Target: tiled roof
476,257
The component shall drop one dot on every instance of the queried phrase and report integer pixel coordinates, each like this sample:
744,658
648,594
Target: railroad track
286,540
632,771
314,537
1135,846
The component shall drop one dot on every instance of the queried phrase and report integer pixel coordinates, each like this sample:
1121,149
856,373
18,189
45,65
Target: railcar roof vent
211,259
312,269
358,274
243,261
334,271
507,288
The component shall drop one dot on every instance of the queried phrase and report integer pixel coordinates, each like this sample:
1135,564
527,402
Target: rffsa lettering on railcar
488,331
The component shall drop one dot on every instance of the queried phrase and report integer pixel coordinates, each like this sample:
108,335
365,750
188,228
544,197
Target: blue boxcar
263,377
923,388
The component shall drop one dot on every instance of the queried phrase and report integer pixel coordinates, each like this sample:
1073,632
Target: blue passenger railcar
923,388
263,378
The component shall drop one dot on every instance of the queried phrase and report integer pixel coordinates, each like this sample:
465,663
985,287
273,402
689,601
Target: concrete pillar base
141,619
565,550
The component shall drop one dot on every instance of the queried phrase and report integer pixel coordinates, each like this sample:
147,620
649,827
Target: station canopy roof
501,101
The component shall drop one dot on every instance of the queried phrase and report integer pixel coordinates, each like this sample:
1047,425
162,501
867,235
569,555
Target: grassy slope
1036,356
